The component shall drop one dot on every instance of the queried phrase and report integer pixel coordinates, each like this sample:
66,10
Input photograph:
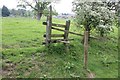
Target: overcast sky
64,6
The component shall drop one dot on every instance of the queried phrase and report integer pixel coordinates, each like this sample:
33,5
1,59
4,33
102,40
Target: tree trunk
102,33
87,29
39,15
89,35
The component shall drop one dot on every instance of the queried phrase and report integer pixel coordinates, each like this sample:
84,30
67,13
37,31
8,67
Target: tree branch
36,1
30,5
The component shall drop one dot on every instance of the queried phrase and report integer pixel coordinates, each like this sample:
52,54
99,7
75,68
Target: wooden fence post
47,32
66,34
48,27
85,49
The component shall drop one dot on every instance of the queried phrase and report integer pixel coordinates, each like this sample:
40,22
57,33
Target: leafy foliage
95,15
21,13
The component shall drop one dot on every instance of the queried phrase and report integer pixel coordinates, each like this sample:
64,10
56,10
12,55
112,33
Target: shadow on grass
55,49
59,48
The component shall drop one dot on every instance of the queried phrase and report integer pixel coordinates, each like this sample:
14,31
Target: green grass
24,56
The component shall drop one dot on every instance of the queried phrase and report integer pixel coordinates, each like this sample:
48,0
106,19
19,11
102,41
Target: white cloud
64,6
8,3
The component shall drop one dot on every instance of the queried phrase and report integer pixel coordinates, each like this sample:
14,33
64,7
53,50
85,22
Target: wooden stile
49,28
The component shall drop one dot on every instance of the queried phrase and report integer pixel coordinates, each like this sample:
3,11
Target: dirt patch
8,68
90,75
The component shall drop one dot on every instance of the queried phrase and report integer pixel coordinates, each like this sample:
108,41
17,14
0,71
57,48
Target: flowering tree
93,15
39,6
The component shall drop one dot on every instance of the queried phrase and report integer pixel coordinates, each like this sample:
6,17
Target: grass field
24,56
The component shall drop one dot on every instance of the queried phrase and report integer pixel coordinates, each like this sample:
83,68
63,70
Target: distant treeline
5,12
21,12
13,12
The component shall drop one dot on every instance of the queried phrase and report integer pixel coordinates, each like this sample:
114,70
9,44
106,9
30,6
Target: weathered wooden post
48,27
66,34
85,49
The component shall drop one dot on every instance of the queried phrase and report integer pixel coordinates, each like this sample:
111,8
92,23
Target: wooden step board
59,41
66,42
55,35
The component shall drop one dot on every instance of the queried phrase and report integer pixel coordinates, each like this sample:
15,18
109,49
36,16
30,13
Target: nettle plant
94,15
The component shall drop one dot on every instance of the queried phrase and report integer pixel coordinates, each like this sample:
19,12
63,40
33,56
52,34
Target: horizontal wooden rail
72,32
55,35
68,31
57,25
